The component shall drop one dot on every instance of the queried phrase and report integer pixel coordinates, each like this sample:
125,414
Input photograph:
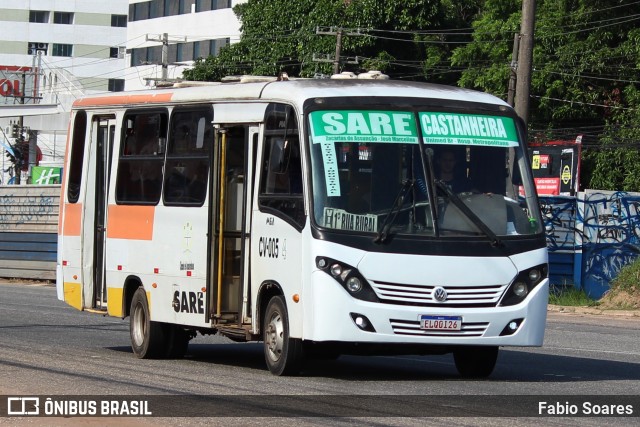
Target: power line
586,76
584,103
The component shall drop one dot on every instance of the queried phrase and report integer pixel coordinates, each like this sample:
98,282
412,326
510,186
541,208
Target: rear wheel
475,361
147,338
282,353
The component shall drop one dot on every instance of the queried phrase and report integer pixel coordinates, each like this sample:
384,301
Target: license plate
441,323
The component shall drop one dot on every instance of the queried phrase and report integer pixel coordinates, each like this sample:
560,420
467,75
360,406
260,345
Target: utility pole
514,70
33,135
165,56
525,59
336,59
164,60
338,32
20,140
165,53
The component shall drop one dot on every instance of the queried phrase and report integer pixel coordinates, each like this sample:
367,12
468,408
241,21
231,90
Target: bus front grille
412,328
423,295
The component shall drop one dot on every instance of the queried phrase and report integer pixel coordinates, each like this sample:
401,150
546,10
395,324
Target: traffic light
23,162
17,157
11,157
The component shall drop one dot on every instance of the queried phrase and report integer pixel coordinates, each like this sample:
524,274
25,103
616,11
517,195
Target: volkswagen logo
440,294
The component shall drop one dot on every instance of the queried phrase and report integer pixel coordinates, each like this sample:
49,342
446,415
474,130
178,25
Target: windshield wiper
495,240
383,234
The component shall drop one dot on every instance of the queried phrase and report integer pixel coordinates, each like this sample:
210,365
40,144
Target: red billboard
17,85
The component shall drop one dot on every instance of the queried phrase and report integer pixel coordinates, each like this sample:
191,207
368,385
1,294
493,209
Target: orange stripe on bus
130,222
63,181
72,219
124,99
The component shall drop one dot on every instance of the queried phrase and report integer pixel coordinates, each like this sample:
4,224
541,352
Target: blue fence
591,237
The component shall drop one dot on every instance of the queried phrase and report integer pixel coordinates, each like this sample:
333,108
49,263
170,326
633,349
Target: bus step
235,333
97,310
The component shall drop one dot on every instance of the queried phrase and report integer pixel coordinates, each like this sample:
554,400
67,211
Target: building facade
80,42
55,51
186,29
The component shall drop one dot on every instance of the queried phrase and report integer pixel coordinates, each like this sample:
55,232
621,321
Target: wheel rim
274,337
139,325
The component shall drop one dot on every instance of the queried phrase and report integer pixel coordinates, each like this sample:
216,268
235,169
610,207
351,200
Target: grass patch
624,292
625,288
628,280
570,296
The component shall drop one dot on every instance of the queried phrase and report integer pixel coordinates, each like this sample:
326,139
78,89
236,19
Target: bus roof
296,91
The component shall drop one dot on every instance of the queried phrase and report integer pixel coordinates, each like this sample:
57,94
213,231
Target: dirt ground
613,304
621,300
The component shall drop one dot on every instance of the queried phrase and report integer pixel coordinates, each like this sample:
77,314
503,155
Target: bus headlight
523,284
534,275
336,270
520,289
354,284
348,277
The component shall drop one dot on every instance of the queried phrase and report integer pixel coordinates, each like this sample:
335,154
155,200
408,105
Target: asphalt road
49,348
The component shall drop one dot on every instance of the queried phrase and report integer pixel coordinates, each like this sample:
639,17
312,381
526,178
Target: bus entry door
94,225
231,224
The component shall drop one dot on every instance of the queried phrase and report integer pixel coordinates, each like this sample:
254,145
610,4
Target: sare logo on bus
188,302
270,247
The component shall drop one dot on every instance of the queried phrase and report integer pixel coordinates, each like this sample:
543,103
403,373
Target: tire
148,339
475,361
283,354
177,341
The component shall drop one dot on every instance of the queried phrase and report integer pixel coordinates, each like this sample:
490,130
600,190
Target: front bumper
329,319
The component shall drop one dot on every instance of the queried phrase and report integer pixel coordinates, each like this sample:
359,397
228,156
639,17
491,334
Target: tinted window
62,49
118,20
39,16
77,156
187,166
139,179
63,18
281,174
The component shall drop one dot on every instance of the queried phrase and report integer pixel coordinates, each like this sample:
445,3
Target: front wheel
475,361
282,353
147,337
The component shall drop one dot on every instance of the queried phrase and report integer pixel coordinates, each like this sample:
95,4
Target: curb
594,311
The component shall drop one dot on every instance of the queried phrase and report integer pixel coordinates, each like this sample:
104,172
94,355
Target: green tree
586,58
394,36
584,81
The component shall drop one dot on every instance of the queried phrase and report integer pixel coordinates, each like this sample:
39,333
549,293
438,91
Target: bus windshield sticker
331,176
363,126
468,129
342,220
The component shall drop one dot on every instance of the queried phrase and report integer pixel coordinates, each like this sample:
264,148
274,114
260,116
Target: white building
88,46
78,48
194,28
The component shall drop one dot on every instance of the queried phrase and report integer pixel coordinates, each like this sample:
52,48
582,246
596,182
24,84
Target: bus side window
139,179
187,164
281,175
77,156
